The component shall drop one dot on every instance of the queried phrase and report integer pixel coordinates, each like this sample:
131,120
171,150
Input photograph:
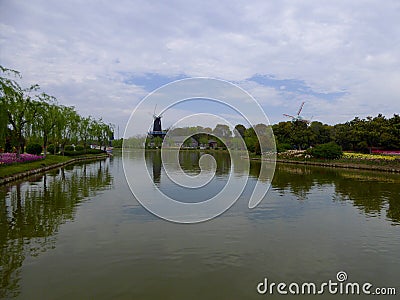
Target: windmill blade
289,116
301,107
309,120
154,113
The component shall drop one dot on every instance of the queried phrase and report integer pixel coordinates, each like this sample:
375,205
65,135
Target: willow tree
101,132
3,126
47,117
66,126
7,88
85,129
21,110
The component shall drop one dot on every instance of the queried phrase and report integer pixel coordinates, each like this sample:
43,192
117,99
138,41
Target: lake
79,233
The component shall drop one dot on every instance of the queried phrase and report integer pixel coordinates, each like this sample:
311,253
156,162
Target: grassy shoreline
386,166
17,171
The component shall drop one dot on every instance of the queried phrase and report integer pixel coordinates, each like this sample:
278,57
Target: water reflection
154,159
372,192
31,213
136,247
188,161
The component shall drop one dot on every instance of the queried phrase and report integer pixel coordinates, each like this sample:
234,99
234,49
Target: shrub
79,148
50,148
328,151
34,149
362,147
94,151
282,147
82,152
73,153
69,148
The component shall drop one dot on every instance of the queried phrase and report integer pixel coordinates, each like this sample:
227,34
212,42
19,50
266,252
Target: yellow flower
368,156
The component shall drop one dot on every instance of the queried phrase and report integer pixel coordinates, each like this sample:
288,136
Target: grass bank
16,171
348,161
347,164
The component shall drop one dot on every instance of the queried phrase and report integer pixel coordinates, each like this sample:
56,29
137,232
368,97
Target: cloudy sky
103,57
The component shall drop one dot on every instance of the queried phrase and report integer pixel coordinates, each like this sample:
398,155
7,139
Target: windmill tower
157,129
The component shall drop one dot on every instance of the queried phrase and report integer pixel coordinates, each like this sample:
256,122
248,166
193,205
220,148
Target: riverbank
350,164
17,171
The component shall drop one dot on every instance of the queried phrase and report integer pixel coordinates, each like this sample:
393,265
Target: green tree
102,132
21,110
46,119
283,132
67,126
222,131
3,126
329,150
300,135
239,130
85,124
251,140
319,133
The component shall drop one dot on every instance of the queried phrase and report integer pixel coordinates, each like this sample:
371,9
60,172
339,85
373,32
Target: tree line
358,135
28,115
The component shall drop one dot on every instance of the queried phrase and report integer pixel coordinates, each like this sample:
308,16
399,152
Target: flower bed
11,158
293,154
368,156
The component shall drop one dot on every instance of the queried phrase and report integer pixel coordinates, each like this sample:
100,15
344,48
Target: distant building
212,144
177,141
157,129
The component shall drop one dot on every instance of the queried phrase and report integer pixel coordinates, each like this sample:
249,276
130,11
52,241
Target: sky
103,57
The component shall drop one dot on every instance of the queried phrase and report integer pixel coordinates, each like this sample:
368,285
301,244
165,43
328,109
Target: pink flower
10,158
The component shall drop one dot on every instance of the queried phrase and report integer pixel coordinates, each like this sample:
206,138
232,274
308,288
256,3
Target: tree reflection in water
32,211
371,192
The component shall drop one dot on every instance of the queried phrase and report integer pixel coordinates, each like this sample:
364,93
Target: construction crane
298,117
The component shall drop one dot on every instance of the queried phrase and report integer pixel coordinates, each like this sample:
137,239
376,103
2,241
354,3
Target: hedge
34,149
328,151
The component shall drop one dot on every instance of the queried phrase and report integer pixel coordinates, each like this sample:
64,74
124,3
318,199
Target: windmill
157,129
298,117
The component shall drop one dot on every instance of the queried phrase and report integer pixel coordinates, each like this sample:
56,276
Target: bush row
82,152
34,148
37,149
329,150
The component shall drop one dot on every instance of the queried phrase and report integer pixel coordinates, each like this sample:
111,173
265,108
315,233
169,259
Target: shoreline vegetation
372,143
357,165
33,122
37,133
349,160
13,172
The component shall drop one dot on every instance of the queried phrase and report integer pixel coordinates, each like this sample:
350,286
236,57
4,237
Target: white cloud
79,51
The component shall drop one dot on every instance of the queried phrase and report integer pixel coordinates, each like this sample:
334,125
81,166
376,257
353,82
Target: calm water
78,233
